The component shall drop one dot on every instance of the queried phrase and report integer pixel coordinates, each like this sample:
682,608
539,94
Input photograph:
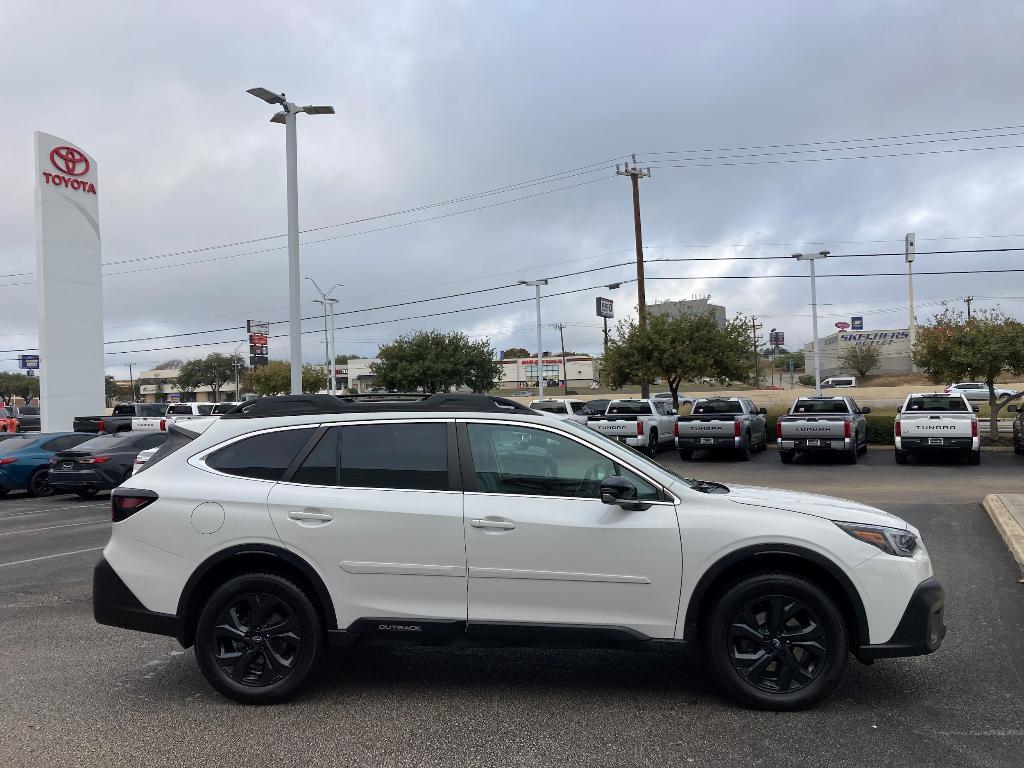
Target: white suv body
491,525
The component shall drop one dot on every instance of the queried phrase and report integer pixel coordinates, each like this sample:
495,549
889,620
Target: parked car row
147,417
19,418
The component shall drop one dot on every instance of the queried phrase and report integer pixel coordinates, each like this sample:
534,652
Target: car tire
743,454
4,491
853,455
686,454
652,443
974,458
787,456
276,665
901,456
1018,448
38,485
776,641
86,493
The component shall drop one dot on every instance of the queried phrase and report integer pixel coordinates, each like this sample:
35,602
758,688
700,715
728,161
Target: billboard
605,307
69,282
258,337
856,323
776,338
29,362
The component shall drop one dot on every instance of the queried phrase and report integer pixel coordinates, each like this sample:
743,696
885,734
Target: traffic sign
857,323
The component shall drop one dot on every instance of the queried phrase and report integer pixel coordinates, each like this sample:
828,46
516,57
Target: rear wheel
974,458
38,484
743,453
776,641
685,454
258,638
787,456
652,444
1018,448
901,456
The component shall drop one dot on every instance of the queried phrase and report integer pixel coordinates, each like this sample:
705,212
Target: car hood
827,507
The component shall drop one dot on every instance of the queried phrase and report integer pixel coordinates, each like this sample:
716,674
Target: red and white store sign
69,164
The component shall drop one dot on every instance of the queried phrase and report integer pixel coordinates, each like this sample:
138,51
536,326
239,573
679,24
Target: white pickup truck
567,410
648,425
175,412
722,423
937,422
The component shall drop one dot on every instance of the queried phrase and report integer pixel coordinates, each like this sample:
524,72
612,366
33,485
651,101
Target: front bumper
114,604
921,629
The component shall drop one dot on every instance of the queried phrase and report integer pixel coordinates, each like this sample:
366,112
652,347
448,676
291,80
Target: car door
757,429
377,510
543,549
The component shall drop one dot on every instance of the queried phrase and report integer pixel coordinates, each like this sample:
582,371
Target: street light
287,117
326,301
812,257
234,365
540,348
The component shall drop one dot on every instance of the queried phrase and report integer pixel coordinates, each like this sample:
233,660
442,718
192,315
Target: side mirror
1011,408
865,410
976,408
763,411
899,409
615,489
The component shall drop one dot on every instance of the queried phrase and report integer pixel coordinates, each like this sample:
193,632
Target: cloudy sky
439,102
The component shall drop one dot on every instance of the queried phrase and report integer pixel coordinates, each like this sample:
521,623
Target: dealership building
698,306
893,347
520,373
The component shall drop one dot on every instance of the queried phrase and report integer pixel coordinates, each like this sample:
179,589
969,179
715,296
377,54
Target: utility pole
636,173
560,327
131,380
811,257
234,364
968,300
754,328
910,255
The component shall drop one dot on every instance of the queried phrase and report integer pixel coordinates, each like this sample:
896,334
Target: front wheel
258,638
776,641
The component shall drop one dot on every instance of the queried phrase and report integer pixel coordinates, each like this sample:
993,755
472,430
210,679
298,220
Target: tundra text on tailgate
937,422
645,424
723,423
823,424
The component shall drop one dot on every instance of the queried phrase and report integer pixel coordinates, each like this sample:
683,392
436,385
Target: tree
861,359
216,370
314,378
14,385
169,365
274,378
677,348
514,352
339,359
110,388
953,348
433,361
190,377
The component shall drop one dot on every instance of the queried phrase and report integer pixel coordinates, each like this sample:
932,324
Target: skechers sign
70,163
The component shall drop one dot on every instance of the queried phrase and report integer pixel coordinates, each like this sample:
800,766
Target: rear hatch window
952,404
820,406
717,406
628,408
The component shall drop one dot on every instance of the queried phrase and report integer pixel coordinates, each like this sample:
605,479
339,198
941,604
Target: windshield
955,404
179,410
717,406
548,407
30,410
106,443
220,408
634,456
629,407
820,406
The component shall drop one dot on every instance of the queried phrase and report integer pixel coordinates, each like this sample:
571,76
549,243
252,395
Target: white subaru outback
298,523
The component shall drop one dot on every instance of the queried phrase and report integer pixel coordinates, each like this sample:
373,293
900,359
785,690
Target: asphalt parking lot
78,694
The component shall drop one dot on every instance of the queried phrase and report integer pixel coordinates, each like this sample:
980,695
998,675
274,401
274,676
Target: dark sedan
101,463
28,417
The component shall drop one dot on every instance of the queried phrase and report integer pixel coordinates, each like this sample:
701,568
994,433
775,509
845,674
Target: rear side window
549,407
320,467
123,410
152,410
264,457
67,442
179,410
150,441
402,456
205,410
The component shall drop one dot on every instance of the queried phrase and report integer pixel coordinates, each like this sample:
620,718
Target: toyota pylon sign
70,291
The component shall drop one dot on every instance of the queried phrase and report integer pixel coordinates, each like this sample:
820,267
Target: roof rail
303,405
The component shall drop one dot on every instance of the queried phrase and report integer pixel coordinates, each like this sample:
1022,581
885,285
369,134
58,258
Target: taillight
639,428
846,429
736,428
974,428
94,460
8,460
163,425
778,430
101,427
899,430
125,503
675,429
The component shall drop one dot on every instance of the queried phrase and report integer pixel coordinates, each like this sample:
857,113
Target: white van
839,381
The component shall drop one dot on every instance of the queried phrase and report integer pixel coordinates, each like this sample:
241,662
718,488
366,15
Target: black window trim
469,473
199,460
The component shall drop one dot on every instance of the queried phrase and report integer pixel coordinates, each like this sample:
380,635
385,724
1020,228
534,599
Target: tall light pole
287,116
234,364
909,255
540,347
326,301
812,257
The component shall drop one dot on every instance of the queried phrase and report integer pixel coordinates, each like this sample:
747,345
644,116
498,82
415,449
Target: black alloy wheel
38,483
776,641
258,638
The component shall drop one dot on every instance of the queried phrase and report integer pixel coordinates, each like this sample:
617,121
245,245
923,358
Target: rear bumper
708,443
114,604
800,445
80,479
962,444
920,631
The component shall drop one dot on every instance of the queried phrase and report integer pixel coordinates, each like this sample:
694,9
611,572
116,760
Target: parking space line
34,510
50,557
52,527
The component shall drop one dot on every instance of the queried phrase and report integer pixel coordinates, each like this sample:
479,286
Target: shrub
806,379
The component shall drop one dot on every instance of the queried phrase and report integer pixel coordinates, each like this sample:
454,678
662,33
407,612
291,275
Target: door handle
504,525
301,514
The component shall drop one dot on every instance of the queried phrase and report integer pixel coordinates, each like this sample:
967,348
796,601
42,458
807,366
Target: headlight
894,541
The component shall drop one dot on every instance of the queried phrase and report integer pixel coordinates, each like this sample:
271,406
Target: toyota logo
69,160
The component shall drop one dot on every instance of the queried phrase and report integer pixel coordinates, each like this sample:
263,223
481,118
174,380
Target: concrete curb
1008,528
